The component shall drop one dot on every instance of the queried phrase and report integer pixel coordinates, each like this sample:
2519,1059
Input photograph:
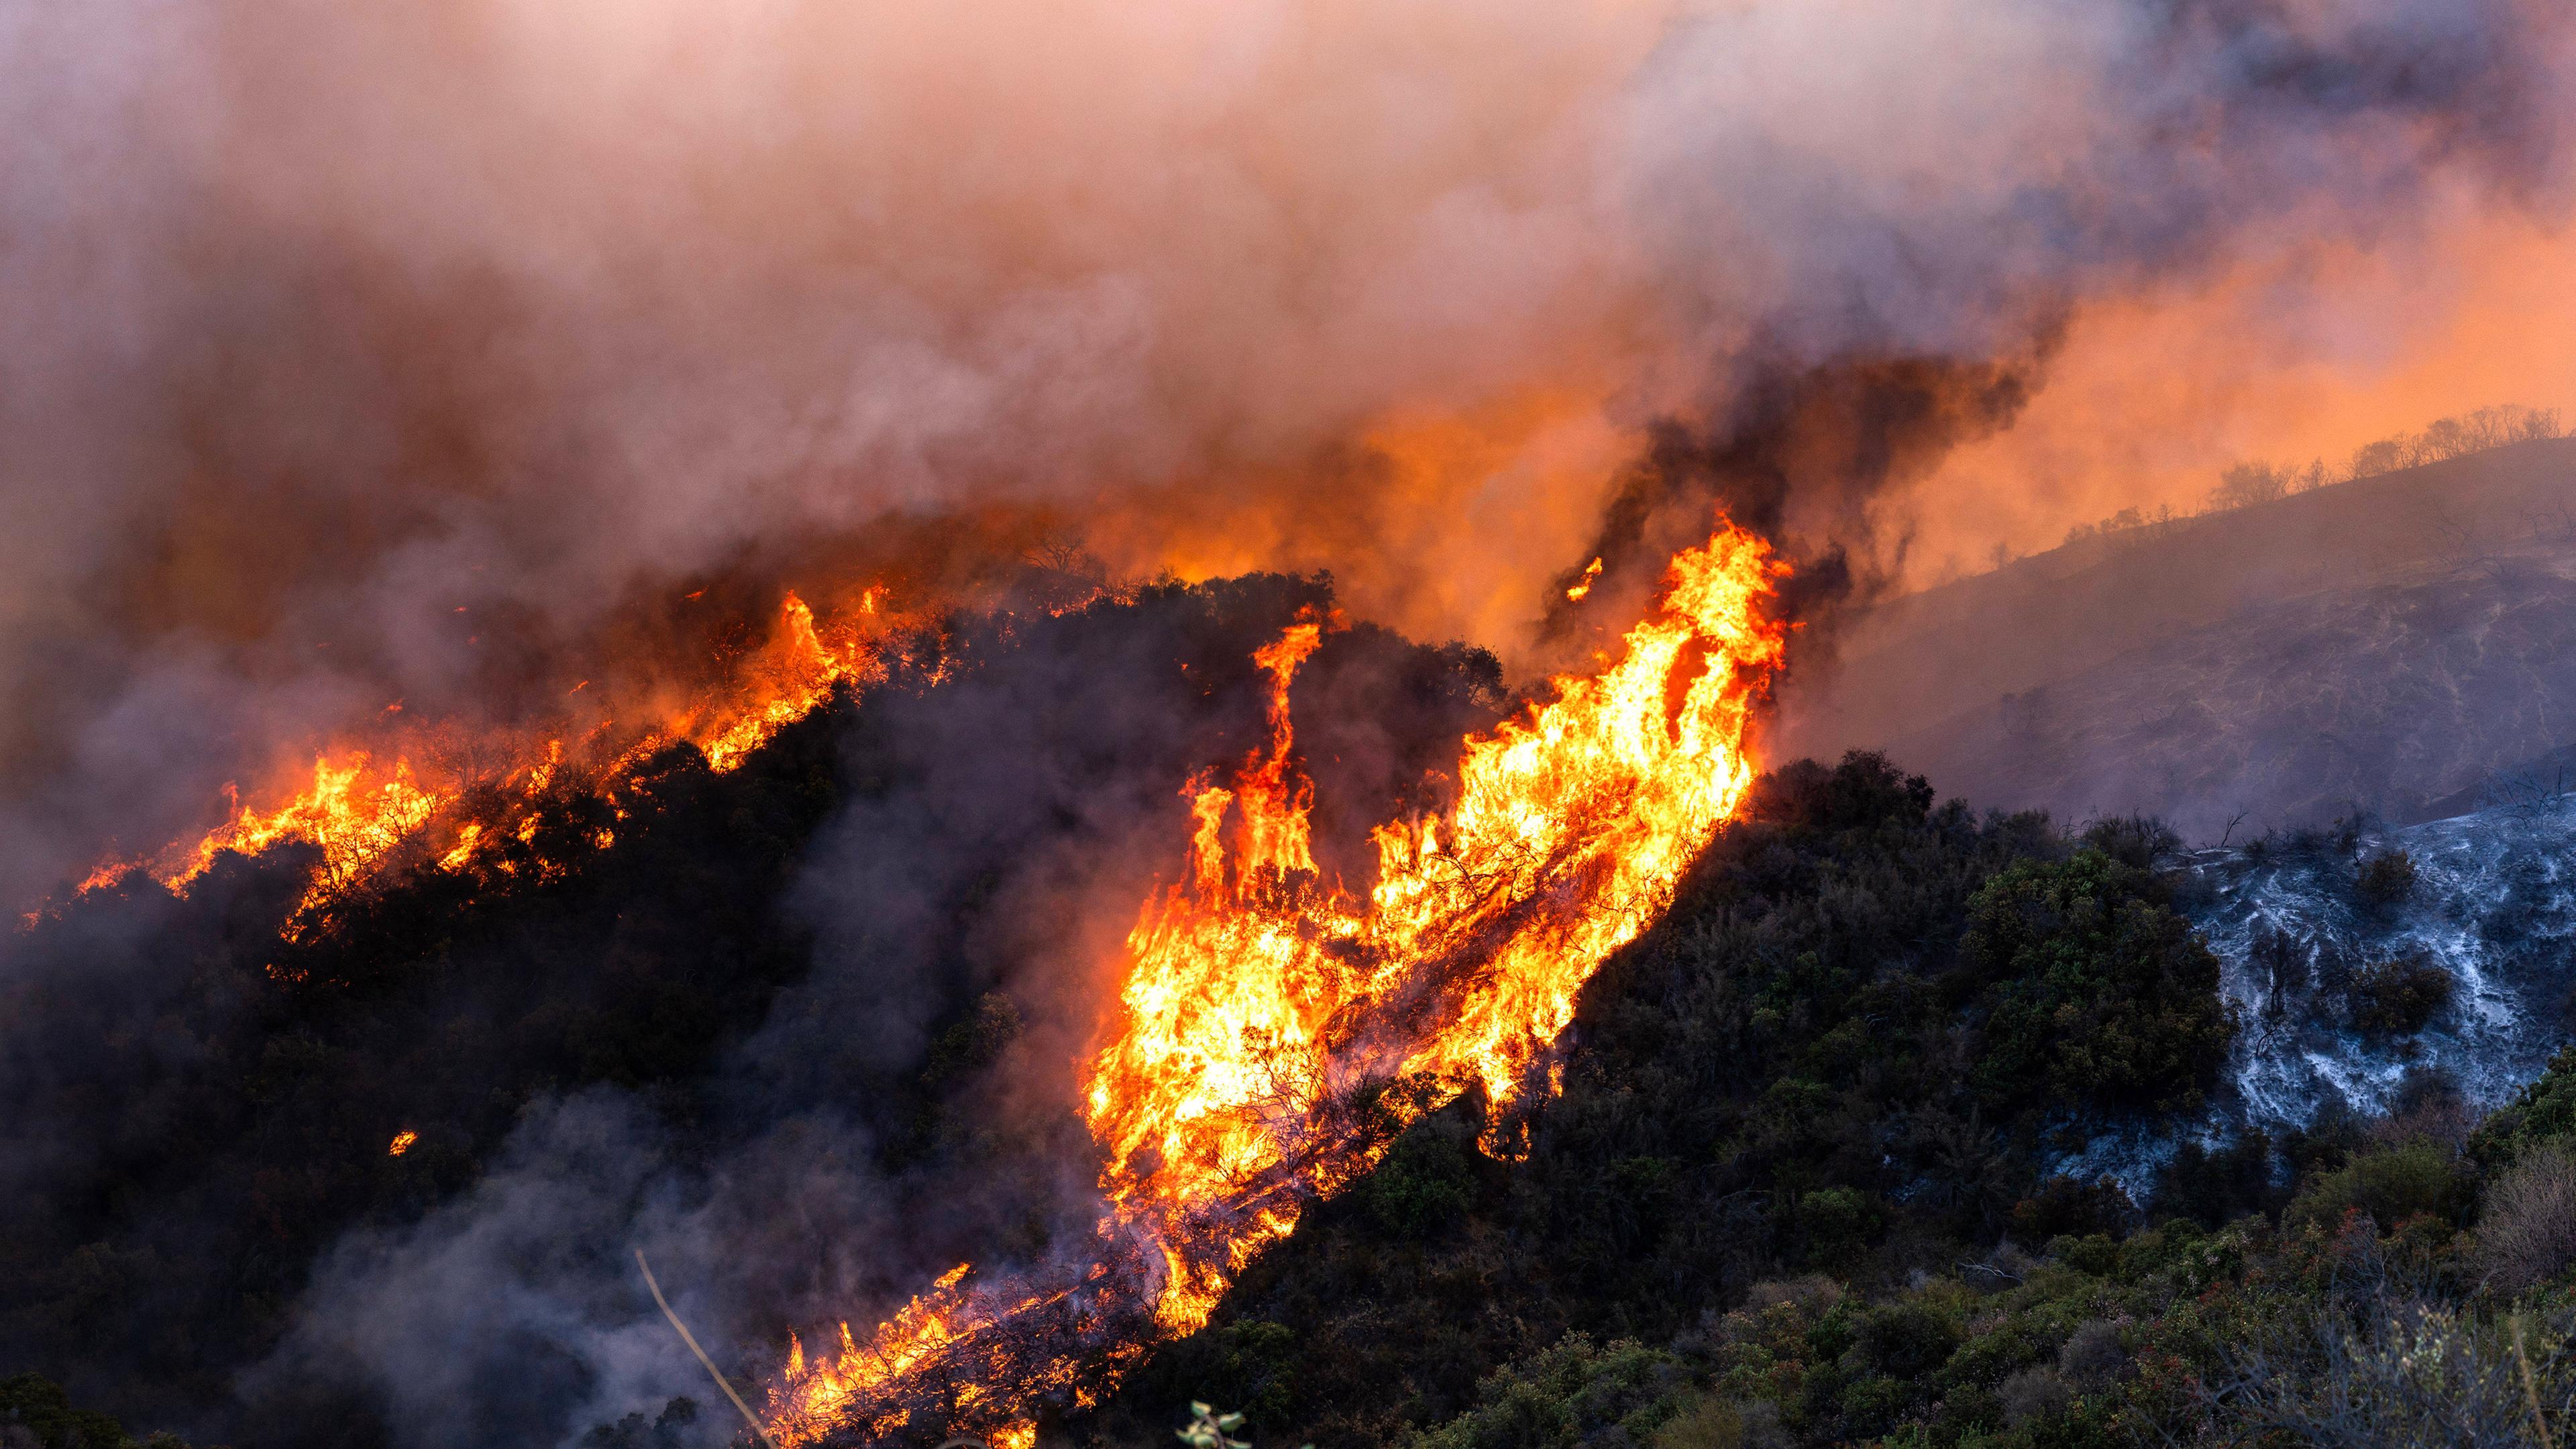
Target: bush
1907,1339
1425,1183
2527,1229
2070,1207
2093,1355
2390,1185
39,1409
1559,1398
2098,993
2094,1253
2413,1375
2386,878
1715,1423
2399,997
2544,1111
2034,1393
1837,1220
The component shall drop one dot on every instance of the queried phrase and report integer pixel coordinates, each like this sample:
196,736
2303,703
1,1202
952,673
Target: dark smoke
805,1034
328,324
331,323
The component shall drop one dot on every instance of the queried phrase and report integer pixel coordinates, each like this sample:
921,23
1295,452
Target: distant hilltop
2401,644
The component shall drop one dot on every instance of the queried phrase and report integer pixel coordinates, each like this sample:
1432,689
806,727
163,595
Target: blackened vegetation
196,1108
1850,1048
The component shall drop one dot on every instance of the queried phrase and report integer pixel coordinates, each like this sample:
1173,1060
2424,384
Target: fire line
1273,1035
365,817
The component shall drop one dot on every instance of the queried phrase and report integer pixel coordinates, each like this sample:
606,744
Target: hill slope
2390,642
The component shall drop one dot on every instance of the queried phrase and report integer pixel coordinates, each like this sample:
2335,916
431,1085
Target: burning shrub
2386,878
2527,1231
2095,992
2398,997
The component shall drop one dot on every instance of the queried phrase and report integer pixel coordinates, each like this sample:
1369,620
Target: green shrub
1908,1338
2391,1185
1560,1397
1711,1422
2543,1111
1874,1403
41,1409
2093,1253
2397,998
1425,1183
1836,1220
2095,992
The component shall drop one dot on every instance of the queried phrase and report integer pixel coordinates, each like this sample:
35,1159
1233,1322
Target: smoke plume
418,358
329,325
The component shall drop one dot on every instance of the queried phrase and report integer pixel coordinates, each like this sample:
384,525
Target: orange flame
402,1143
1273,1035
363,817
1574,594
790,679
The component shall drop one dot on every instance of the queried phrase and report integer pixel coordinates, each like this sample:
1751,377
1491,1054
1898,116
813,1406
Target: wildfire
1574,593
1274,1035
363,816
796,674
402,1142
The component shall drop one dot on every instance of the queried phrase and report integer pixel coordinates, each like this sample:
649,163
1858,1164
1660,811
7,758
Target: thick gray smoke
328,324
353,346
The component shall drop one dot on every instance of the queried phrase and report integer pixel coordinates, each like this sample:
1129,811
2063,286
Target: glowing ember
402,1143
1583,586
1274,1036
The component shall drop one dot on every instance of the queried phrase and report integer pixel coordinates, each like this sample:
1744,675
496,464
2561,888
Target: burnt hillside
2390,642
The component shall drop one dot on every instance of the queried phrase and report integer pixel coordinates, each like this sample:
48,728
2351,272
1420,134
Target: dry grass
2527,1233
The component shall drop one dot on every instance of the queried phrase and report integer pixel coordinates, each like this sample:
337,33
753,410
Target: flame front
1273,1035
363,817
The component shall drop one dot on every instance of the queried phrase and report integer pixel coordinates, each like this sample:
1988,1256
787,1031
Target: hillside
1908,1121
1823,1170
2391,642
1812,1177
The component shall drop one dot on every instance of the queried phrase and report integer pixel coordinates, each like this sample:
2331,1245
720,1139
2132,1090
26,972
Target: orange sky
2310,358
